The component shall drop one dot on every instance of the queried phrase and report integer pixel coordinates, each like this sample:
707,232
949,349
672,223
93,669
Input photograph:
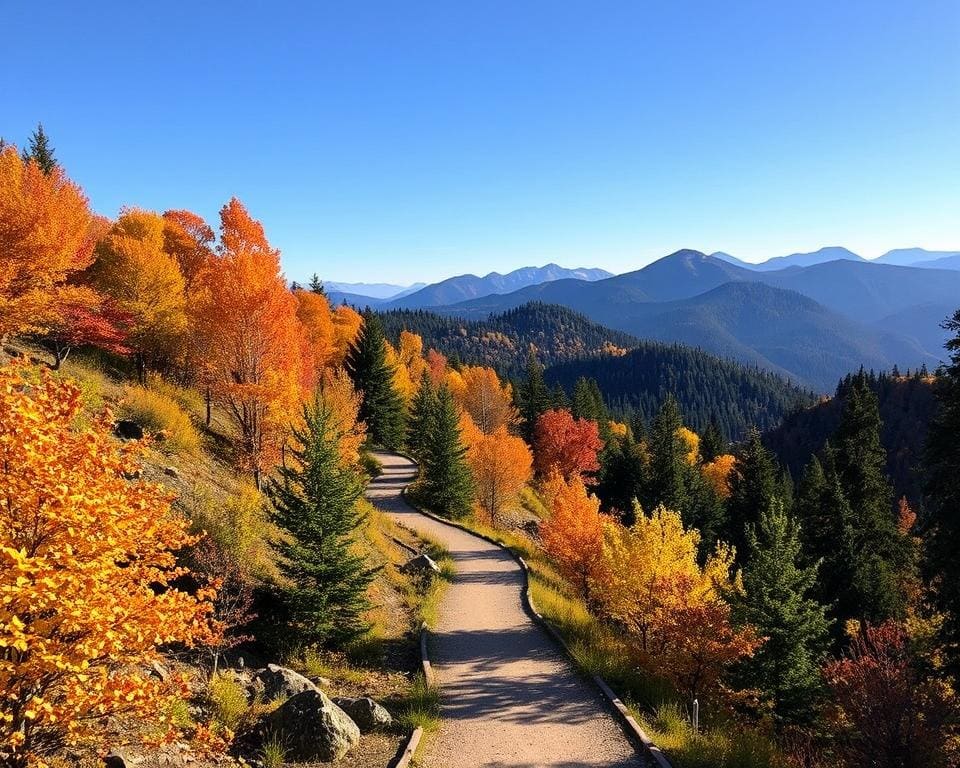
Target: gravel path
509,697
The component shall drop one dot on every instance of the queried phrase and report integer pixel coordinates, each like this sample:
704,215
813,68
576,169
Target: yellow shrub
239,524
162,416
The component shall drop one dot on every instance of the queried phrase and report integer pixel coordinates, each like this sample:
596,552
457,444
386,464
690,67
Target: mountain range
813,324
463,287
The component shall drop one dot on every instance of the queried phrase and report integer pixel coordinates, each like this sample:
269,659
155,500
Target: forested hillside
707,388
907,404
502,341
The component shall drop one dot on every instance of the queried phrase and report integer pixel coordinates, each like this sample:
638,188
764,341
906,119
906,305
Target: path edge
627,721
406,757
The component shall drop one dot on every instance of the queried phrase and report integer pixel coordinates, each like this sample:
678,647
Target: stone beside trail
509,697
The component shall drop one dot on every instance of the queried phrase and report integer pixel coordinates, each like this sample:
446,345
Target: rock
128,430
159,671
282,683
171,471
119,758
313,727
365,712
421,565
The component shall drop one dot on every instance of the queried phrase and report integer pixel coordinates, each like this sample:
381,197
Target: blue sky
410,141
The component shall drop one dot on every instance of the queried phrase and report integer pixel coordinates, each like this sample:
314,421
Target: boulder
313,727
282,683
421,565
171,471
128,430
365,712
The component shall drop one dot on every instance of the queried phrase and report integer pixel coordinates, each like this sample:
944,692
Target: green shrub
229,700
162,416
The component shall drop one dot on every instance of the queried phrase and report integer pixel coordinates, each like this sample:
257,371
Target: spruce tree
753,487
942,464
446,485
533,397
380,407
316,285
315,502
40,151
882,555
666,481
620,480
422,414
712,443
776,600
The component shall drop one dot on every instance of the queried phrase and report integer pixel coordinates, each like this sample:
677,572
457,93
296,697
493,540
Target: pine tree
882,555
446,485
381,407
942,464
40,150
786,668
316,285
753,487
712,443
315,501
423,411
666,481
533,397
620,480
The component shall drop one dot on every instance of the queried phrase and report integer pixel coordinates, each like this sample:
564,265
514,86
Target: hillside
907,405
465,287
570,346
502,341
821,256
913,257
706,387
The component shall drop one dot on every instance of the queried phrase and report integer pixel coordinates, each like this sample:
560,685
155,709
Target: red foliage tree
565,444
888,715
86,317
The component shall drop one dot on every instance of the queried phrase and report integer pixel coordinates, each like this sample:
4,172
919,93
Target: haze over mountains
463,287
812,317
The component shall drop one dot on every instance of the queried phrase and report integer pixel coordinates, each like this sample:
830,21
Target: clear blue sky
407,141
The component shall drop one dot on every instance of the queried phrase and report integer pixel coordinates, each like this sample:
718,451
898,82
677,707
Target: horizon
381,144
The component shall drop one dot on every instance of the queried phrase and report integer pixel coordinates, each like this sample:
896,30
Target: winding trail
509,697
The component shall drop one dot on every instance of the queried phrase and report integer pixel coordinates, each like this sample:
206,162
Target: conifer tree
315,501
712,443
942,463
882,555
776,601
40,150
620,480
533,397
668,471
422,413
381,406
446,485
316,285
753,487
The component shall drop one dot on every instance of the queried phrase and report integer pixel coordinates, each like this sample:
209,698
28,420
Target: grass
422,708
162,415
229,700
273,753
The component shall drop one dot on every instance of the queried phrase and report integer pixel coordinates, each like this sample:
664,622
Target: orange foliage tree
502,465
566,444
251,339
488,402
573,534
45,237
145,282
343,402
674,609
313,312
87,574
346,328
189,239
717,473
